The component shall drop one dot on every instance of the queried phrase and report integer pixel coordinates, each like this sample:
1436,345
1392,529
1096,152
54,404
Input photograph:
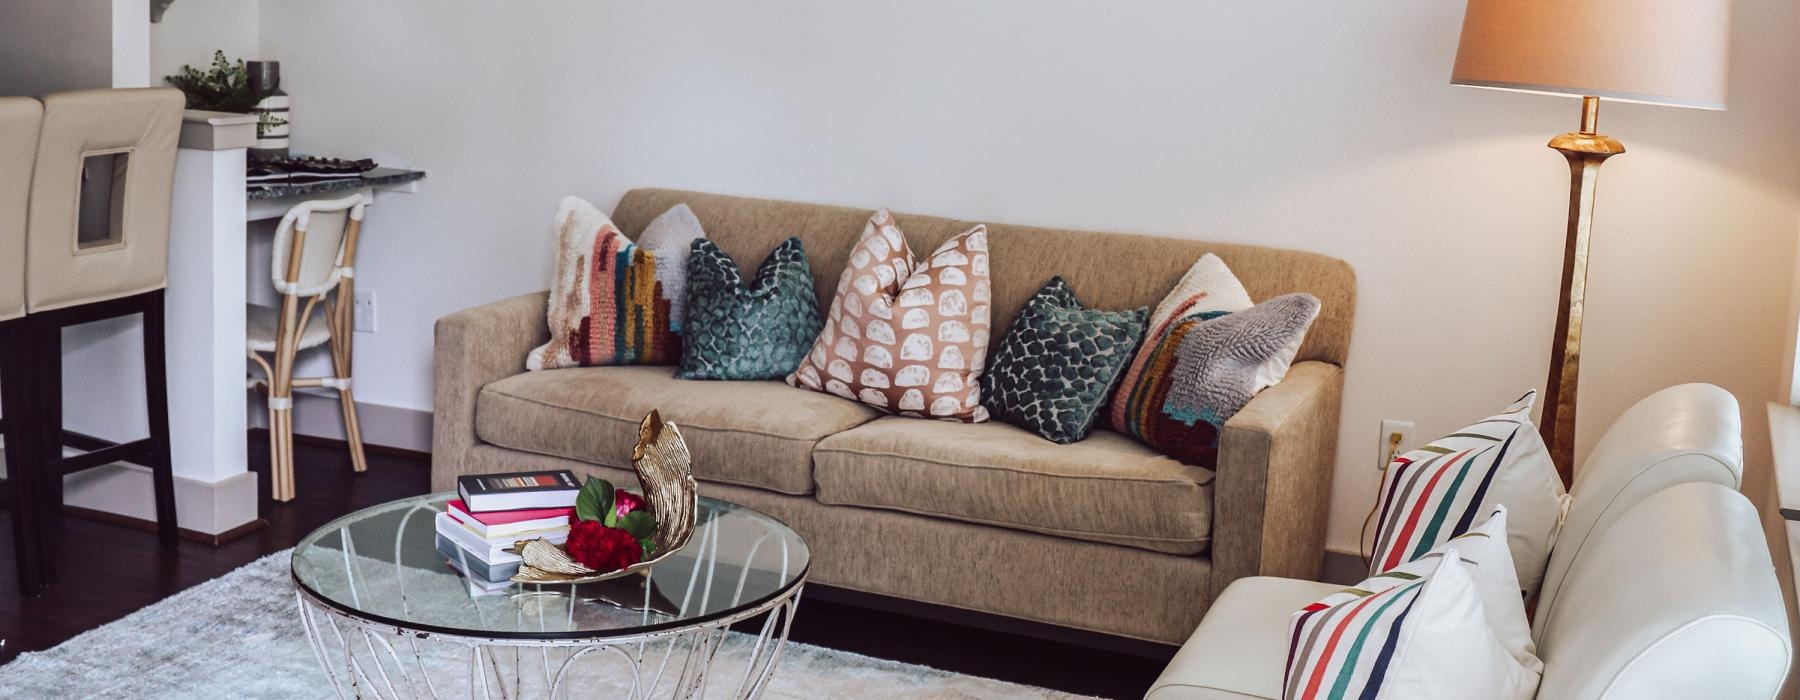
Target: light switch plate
365,311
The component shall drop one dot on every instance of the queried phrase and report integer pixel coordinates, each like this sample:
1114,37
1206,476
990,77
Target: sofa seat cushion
1240,649
751,433
1107,488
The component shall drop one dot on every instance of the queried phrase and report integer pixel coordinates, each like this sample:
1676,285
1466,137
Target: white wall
1321,126
191,30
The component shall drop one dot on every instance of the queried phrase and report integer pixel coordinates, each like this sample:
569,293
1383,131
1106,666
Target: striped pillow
1449,624
1434,493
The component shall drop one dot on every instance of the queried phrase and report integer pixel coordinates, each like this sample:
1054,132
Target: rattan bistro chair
20,118
97,248
314,262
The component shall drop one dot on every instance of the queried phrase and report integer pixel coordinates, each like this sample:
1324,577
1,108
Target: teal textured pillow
1053,370
760,331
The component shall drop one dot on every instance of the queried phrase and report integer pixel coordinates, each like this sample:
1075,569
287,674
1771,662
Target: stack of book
497,510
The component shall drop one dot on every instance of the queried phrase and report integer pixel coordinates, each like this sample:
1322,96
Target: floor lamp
1644,51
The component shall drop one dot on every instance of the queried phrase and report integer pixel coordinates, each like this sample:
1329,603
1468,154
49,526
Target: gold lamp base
1586,150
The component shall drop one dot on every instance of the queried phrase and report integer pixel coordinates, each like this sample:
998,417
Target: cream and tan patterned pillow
903,337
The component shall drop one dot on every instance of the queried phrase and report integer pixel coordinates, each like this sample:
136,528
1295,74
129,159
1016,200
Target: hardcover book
510,523
490,552
483,493
473,567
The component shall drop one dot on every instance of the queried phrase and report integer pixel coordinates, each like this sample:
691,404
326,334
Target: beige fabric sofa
1660,583
983,517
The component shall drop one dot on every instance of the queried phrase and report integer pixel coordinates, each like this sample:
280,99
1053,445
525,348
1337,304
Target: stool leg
44,337
156,390
342,325
15,405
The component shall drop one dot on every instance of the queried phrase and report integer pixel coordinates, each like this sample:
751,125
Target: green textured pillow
756,332
1053,370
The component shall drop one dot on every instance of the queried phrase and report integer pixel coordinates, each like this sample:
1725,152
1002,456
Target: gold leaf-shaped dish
665,470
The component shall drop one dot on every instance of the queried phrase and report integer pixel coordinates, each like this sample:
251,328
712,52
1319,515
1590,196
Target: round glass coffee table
387,616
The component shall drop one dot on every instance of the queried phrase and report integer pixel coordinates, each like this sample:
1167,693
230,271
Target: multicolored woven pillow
1448,625
903,337
615,302
1053,370
1202,371
1435,492
760,331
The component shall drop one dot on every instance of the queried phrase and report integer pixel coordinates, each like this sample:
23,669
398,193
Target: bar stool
97,247
314,260
20,118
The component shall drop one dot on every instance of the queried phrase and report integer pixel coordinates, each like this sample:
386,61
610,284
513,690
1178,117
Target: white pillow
1434,493
1449,624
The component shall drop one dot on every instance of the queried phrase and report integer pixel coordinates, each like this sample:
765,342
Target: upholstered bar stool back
120,145
20,118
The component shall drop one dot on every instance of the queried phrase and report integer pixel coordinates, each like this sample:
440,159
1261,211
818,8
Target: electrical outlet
1384,446
365,311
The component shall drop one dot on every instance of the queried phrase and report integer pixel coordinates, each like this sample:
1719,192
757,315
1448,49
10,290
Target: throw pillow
756,332
1053,370
903,337
1202,371
1449,624
1208,290
1434,493
614,302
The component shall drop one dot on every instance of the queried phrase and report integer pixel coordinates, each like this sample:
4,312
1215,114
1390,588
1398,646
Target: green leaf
595,502
641,524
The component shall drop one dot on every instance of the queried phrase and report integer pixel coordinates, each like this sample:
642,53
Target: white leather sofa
1660,583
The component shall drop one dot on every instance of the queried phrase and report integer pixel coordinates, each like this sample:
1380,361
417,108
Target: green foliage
224,88
641,524
595,502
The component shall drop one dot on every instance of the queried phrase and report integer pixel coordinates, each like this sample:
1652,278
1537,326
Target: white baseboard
209,508
319,415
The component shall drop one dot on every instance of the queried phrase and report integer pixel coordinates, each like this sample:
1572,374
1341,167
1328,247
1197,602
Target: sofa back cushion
1113,271
1677,598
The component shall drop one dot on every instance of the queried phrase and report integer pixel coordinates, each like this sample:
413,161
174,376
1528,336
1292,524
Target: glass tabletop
382,564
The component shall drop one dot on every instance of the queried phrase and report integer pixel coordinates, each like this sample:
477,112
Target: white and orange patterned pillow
908,338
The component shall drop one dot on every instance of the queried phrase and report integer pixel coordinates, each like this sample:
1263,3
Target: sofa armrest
474,348
1273,485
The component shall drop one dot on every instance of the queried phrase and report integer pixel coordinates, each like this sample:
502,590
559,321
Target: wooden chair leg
17,428
156,390
342,326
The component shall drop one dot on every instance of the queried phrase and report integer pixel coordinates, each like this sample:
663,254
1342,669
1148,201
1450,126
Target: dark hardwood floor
109,570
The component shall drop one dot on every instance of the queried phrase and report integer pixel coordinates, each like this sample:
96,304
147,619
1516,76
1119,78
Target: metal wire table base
366,659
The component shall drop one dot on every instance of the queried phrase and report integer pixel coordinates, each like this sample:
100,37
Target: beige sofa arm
1273,484
474,348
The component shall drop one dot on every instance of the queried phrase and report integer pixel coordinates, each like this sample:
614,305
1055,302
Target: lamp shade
1668,52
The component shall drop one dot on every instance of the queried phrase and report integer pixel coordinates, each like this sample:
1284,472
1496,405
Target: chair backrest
101,191
320,235
1675,598
19,120
1684,433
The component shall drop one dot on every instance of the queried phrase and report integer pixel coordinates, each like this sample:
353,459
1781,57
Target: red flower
601,548
625,502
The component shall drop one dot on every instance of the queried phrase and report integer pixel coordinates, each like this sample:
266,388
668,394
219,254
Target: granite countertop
376,177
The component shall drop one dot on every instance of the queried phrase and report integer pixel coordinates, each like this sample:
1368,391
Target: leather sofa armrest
1272,490
474,348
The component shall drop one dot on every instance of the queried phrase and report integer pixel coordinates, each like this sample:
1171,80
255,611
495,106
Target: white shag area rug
239,636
